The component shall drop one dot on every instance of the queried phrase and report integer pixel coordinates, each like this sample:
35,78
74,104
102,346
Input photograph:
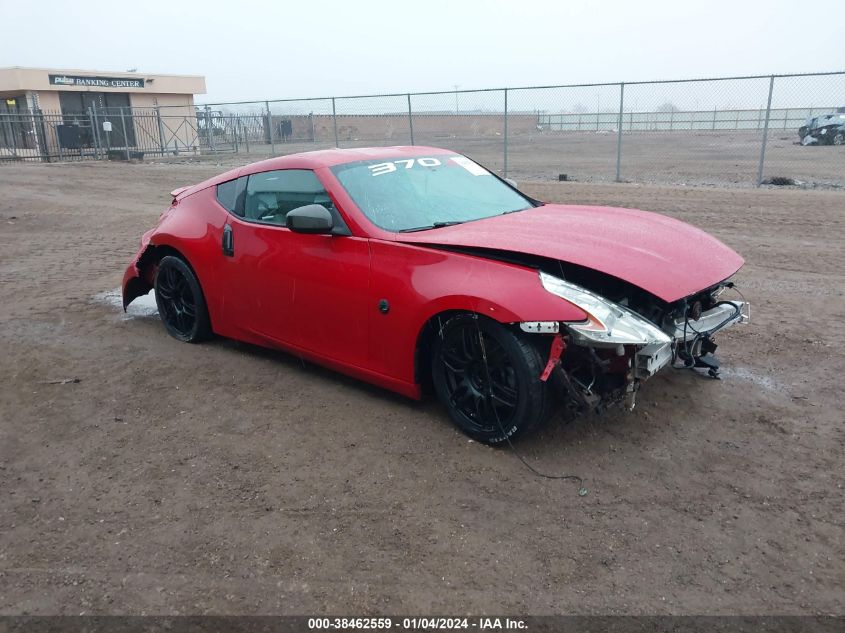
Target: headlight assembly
607,323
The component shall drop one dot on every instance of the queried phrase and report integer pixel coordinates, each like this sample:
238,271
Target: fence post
334,123
41,133
56,123
234,126
506,134
765,132
160,130
106,119
270,129
208,131
95,130
125,138
9,126
410,119
246,133
619,134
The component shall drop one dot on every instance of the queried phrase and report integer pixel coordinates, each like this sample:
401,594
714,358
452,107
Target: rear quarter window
230,195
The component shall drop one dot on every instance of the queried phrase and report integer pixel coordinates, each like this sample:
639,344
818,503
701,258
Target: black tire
181,304
491,402
839,138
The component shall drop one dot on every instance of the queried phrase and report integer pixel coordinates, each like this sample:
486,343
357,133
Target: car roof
316,160
337,156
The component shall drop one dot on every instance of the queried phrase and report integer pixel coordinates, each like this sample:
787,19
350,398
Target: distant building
72,91
69,97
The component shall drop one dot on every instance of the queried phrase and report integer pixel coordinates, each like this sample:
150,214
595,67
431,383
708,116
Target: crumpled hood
666,257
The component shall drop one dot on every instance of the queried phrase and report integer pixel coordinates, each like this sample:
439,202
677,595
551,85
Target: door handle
228,241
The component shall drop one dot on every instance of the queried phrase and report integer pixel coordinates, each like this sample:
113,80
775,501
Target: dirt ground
228,479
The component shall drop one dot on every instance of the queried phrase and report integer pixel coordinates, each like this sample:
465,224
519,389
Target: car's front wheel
488,377
181,304
839,138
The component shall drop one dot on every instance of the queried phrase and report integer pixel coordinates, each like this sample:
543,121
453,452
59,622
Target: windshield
414,194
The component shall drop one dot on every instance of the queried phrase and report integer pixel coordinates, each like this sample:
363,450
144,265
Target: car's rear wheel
181,304
839,138
488,378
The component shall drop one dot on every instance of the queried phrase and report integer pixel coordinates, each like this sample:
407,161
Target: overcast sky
257,50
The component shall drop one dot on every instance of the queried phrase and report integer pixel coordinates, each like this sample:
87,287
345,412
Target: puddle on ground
142,307
749,375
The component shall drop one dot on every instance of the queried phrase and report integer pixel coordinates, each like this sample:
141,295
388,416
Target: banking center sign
95,82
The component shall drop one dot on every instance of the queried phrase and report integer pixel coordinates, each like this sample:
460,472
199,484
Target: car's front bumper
725,314
652,358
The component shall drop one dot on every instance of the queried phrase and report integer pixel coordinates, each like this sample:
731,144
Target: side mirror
312,218
511,182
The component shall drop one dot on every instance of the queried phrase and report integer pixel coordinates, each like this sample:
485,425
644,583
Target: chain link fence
726,131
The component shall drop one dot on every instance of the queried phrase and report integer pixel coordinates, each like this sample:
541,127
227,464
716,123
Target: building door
110,106
16,126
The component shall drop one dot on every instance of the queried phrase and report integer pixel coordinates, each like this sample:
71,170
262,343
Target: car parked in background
415,266
826,129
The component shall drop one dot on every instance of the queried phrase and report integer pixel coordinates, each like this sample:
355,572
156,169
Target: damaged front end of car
138,277
602,360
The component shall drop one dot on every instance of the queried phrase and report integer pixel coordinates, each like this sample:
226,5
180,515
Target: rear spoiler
177,192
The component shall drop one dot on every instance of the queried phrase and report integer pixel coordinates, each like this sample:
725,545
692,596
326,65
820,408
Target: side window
270,195
230,194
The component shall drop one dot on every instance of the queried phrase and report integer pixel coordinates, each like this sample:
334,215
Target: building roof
96,72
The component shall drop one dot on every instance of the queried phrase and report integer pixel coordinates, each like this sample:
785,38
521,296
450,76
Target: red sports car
411,267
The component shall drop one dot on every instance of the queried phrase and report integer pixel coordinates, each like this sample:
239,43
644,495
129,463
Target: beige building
49,89
160,107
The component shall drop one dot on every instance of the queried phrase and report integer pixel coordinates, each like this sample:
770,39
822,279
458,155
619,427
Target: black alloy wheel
180,301
488,377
